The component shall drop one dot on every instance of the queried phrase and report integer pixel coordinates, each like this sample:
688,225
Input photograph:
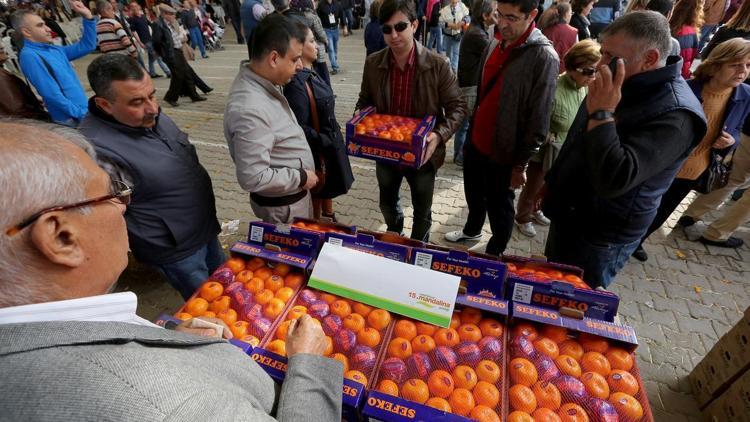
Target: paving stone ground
680,301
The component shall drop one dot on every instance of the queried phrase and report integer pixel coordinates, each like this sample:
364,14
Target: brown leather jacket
436,92
17,99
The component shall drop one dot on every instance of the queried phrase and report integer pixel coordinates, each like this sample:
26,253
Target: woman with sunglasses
313,103
580,62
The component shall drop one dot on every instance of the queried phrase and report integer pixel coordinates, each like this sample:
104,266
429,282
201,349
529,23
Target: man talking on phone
637,125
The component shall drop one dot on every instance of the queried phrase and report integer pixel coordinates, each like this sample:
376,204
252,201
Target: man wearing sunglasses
406,79
172,221
517,82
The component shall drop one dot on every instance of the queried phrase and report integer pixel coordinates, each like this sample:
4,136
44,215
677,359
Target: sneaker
334,71
686,221
640,254
540,218
731,242
526,229
459,236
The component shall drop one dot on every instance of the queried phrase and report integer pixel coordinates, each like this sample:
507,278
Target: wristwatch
601,115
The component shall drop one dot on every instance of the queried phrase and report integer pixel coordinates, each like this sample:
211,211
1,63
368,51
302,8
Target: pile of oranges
247,295
354,331
456,369
545,275
317,227
394,128
555,377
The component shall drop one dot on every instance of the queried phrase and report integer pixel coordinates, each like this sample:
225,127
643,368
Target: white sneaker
459,236
526,228
540,218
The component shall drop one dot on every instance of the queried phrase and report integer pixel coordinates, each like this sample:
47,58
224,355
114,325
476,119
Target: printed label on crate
428,296
286,237
292,259
484,303
368,244
482,277
390,408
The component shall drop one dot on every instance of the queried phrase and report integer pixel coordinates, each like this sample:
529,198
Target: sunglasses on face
399,27
586,71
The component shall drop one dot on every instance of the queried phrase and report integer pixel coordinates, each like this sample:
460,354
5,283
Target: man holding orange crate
406,79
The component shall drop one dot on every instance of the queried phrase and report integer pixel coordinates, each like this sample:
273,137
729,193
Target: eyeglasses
399,27
120,191
510,18
586,71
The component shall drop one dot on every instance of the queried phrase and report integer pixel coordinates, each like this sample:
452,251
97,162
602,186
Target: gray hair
36,172
649,29
18,19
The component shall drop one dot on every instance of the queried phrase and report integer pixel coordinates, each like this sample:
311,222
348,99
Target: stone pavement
680,302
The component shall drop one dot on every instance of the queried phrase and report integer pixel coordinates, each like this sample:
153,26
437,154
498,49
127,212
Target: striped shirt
112,38
402,85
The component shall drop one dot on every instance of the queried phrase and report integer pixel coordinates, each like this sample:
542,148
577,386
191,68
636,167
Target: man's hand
605,92
305,336
517,177
81,9
433,140
312,180
187,327
723,141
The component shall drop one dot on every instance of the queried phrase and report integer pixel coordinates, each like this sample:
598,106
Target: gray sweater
97,371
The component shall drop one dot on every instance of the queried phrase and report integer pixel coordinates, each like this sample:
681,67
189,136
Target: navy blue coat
737,109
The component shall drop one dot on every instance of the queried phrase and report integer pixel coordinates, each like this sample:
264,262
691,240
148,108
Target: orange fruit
273,308
219,304
572,349
596,385
284,293
518,416
567,365
547,395
184,316
483,413
455,321
356,376
486,394
211,290
263,273
425,329
235,264
341,308
344,361
571,412
255,284
329,344
229,316
595,362
619,358
546,346
274,283
251,340
593,343
525,329
400,348
556,334
488,370
388,387
439,404
522,371
461,401
379,319
464,377
263,296
490,327
354,322
277,346
244,276
545,415
446,337
369,337
415,390
282,330
255,263
627,406
294,280
405,329
281,269
328,298
423,343
469,332
240,328
296,312
470,316
620,381
209,314
522,398
196,306
440,384
362,309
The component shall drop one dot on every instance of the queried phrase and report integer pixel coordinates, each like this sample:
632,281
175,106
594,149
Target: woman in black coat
580,19
321,129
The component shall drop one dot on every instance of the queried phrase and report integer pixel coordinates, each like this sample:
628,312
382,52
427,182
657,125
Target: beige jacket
267,145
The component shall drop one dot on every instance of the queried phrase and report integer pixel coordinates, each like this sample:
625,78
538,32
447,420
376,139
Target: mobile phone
613,66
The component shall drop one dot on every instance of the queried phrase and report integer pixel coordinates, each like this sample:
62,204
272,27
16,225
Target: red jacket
563,36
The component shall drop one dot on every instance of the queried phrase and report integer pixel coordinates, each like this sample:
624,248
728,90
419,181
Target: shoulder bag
716,175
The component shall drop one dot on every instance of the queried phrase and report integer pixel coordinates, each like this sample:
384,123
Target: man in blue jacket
48,67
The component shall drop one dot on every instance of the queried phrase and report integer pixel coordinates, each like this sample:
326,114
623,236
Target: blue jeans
435,39
188,274
600,261
196,38
153,57
333,46
451,46
349,15
458,142
421,184
706,31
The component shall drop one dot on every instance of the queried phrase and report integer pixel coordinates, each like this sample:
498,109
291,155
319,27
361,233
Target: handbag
716,175
320,172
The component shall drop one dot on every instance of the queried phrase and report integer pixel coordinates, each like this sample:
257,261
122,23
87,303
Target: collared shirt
113,307
402,85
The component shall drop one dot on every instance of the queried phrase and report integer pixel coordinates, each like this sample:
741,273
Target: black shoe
198,98
736,195
640,254
732,242
172,103
686,221
169,76
208,90
334,71
205,57
155,76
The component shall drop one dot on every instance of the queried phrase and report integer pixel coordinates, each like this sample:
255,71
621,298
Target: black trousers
678,190
182,80
488,194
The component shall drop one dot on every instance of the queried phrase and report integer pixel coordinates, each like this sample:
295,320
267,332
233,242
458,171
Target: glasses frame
121,192
510,18
587,71
391,28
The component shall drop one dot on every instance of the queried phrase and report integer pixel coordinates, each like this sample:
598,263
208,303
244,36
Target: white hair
37,171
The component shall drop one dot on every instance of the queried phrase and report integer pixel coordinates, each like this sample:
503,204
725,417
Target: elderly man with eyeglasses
172,221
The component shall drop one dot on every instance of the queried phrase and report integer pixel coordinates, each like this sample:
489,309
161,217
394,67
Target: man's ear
57,238
533,13
651,57
273,59
103,104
